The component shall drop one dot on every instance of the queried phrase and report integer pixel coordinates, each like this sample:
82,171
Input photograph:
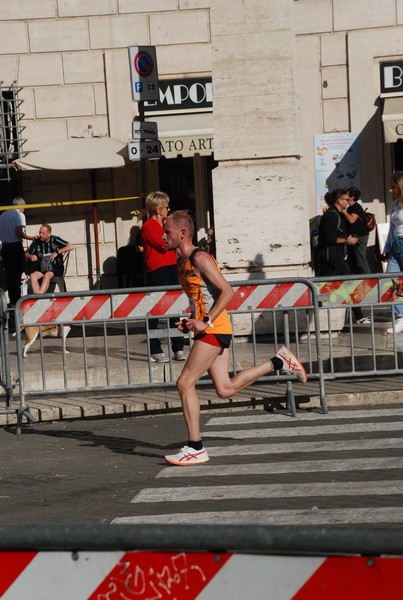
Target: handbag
369,220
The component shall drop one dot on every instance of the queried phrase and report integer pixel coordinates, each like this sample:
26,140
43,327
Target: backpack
314,223
369,220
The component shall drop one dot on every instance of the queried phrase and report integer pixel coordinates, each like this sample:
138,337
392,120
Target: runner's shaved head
183,220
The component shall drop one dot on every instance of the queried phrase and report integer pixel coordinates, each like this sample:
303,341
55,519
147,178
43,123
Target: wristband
208,321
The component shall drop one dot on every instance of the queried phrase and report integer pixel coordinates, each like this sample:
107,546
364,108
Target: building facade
247,89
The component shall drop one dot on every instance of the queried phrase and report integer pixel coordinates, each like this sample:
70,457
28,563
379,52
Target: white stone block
101,107
130,6
27,106
187,27
258,232
362,14
266,129
186,4
314,16
13,38
308,83
119,31
249,17
333,49
336,82
58,36
27,9
399,12
335,115
8,68
65,101
43,133
243,78
83,67
40,69
80,8
181,59
121,108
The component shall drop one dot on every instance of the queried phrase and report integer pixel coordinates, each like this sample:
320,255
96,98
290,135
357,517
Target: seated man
45,253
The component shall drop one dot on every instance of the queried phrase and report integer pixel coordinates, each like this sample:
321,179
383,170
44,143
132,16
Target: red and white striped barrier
369,291
262,296
188,576
139,304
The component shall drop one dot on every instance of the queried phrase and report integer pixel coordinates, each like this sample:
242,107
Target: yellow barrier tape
68,203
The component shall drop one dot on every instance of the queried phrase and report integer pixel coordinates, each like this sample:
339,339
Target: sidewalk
349,391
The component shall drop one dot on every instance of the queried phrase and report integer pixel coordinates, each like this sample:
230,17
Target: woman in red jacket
160,266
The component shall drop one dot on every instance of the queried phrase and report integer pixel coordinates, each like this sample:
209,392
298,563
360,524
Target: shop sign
392,77
183,95
186,145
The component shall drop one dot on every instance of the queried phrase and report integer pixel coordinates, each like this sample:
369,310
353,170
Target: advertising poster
337,163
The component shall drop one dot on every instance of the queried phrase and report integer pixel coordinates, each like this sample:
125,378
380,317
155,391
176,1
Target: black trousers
14,264
334,263
160,277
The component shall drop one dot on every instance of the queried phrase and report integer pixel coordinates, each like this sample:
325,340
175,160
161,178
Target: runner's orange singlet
202,293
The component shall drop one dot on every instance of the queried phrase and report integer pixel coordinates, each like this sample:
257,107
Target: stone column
260,203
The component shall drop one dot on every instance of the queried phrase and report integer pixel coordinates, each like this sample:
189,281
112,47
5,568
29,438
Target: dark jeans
14,265
332,262
160,277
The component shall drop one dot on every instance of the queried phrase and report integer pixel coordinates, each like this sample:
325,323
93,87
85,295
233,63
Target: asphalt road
265,468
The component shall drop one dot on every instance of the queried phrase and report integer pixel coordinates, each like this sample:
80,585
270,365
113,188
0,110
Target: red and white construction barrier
139,304
187,576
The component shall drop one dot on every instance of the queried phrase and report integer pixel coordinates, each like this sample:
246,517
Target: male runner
209,295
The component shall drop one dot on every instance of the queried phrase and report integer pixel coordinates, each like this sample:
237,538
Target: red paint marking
165,302
12,564
240,296
91,307
26,305
327,287
304,299
353,578
54,310
390,294
162,575
277,293
363,288
129,303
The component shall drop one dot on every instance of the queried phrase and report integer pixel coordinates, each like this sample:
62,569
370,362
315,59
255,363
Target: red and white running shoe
187,457
291,364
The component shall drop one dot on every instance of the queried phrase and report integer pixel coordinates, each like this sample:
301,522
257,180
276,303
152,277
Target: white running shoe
161,357
398,328
179,355
187,457
291,364
364,321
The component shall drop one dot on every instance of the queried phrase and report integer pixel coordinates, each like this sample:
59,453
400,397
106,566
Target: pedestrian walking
209,294
12,232
393,249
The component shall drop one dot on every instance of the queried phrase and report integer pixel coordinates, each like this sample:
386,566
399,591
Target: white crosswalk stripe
344,467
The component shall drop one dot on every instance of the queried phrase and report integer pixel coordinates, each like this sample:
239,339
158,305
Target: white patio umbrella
88,152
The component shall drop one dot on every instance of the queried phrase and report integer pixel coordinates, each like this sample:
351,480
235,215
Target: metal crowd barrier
107,347
214,562
5,370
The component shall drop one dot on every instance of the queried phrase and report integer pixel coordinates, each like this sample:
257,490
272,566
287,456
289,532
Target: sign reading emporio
182,94
392,77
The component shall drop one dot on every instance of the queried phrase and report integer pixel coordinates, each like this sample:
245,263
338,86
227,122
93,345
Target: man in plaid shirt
46,254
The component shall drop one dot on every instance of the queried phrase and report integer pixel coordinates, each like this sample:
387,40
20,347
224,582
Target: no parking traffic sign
143,73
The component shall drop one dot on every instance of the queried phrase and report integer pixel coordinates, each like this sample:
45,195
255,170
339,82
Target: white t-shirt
9,221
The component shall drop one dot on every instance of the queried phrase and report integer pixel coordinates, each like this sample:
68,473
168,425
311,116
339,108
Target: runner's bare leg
204,357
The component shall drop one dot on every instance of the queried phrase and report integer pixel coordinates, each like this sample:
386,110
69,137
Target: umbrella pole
96,238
